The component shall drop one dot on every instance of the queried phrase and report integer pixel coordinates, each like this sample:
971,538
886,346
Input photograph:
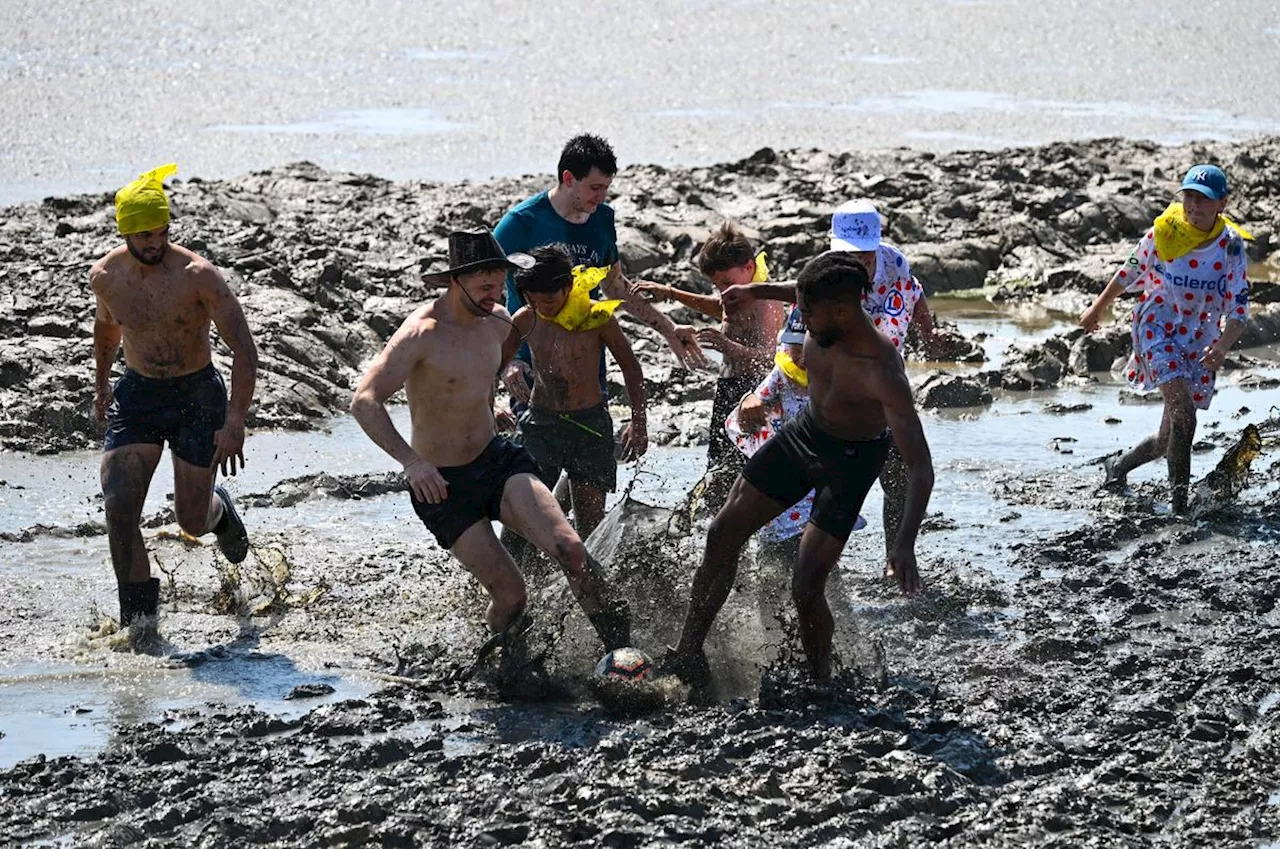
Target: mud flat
1082,669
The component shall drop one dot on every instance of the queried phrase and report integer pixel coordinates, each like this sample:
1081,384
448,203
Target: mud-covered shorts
475,490
184,411
801,457
579,442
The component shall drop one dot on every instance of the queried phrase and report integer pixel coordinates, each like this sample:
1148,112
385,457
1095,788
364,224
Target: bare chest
162,305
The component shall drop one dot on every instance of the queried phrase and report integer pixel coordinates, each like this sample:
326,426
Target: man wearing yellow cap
566,425
159,299
1189,274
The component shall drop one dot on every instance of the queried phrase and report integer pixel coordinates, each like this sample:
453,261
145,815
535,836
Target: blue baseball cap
1208,180
793,333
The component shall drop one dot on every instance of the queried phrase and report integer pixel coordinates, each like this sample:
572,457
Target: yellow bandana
142,204
579,312
1177,237
762,270
783,360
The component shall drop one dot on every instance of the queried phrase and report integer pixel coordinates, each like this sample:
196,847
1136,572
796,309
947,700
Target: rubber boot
138,598
613,624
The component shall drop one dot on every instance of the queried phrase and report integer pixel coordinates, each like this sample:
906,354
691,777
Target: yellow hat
142,204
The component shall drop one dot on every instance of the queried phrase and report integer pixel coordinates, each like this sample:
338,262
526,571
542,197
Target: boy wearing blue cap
1189,273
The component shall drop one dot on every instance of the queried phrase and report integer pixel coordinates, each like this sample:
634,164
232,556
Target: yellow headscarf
796,373
762,270
579,312
142,205
1176,236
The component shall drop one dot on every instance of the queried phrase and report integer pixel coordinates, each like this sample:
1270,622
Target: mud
327,264
1112,684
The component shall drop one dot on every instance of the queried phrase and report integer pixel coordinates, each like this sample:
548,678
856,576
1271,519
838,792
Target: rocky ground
1114,685
327,264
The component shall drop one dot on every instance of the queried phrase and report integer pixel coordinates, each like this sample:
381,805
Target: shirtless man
859,400
461,474
566,425
745,337
159,299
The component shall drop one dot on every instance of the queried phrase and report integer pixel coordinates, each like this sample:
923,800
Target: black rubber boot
613,624
138,598
232,539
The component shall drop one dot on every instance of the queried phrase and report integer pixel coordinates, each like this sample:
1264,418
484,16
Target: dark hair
833,276
551,271
726,248
584,152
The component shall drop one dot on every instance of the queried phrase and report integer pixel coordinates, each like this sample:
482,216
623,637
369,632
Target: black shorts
580,442
475,490
801,457
184,411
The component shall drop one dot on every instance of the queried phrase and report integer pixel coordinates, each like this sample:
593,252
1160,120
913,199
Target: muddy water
63,690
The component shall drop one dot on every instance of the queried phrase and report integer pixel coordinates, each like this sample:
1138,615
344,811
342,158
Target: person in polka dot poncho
1189,274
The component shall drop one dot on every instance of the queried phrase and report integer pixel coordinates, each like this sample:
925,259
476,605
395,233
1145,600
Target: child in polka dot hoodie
1189,273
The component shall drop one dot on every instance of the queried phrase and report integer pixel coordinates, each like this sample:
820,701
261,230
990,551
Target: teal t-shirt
534,223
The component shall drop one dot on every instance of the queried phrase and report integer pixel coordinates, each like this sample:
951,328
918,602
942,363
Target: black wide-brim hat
476,250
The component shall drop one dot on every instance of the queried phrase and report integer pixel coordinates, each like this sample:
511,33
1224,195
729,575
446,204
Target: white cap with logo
855,226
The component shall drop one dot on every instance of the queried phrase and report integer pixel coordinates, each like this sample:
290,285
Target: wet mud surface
1120,692
1105,679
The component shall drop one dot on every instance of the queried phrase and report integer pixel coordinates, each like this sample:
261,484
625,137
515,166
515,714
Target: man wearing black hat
461,473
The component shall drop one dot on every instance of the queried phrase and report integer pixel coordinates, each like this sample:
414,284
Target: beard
148,260
828,337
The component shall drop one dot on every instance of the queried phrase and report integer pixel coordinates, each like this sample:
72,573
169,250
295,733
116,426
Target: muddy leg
747,511
485,558
197,508
126,477
819,553
1149,449
893,482
1180,412
588,507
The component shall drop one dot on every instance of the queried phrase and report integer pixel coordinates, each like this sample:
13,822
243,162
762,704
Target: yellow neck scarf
579,312
142,205
762,270
783,360
1177,237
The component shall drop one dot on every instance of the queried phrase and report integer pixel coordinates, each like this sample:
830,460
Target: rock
58,327
940,389
950,266
1032,368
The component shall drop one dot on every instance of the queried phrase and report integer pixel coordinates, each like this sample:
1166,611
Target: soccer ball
625,664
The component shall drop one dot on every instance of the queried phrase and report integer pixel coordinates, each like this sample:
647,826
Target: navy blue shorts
183,411
475,490
802,457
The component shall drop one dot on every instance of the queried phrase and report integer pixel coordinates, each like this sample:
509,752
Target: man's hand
426,482
1092,317
654,291
752,412
736,297
684,344
102,399
902,566
503,420
228,444
714,338
634,440
518,378
1214,356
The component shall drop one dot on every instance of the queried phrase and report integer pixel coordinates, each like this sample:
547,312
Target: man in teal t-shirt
573,213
